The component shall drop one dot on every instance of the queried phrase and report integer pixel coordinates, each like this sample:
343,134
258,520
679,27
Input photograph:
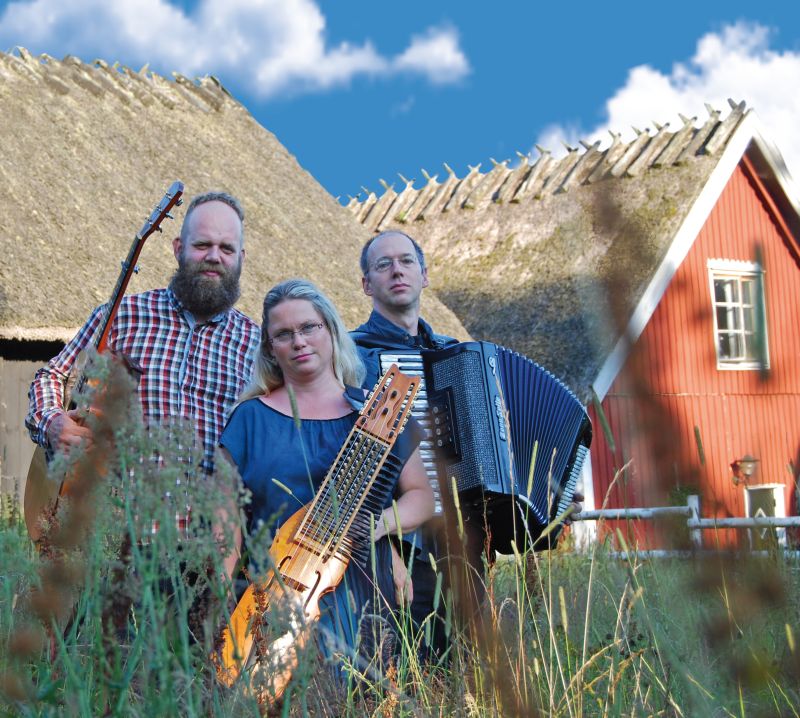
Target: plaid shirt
190,370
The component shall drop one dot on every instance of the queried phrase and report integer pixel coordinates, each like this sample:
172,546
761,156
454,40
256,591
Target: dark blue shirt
378,334
284,463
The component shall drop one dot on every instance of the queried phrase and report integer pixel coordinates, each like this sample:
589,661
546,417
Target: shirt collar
380,325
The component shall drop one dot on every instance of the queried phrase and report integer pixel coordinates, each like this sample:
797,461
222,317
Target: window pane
750,347
736,346
727,318
749,317
725,346
747,291
726,290
731,346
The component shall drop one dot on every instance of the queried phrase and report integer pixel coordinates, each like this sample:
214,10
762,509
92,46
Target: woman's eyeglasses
287,335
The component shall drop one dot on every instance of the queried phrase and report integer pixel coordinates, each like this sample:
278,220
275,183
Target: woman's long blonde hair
267,375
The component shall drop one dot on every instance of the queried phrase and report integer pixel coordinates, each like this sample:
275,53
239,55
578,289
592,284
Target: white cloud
274,46
435,54
128,30
735,63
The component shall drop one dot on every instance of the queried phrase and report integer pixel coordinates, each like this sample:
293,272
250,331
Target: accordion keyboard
410,363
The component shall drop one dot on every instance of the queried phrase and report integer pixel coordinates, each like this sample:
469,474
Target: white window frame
734,269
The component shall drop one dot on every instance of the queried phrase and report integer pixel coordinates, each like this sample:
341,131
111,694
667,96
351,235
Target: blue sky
360,91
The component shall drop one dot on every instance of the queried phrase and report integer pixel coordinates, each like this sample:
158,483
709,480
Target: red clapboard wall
678,420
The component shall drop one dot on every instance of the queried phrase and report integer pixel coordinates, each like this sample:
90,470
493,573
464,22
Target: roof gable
561,258
749,141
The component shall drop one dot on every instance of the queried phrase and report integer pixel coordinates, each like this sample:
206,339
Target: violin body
299,576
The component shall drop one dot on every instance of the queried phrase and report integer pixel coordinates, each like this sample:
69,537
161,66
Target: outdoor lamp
743,469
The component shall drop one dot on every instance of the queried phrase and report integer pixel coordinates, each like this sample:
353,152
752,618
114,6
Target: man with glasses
394,275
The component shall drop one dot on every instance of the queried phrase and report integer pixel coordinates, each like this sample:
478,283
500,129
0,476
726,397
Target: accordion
511,435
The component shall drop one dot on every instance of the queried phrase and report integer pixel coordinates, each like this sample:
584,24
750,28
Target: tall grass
114,617
564,634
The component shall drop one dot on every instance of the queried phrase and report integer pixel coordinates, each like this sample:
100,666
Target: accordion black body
512,436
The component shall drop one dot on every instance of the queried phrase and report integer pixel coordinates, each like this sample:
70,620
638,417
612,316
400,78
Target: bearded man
195,351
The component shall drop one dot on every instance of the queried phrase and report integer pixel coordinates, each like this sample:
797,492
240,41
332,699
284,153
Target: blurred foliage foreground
118,610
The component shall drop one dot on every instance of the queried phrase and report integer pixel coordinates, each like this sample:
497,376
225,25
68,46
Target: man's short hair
365,249
223,197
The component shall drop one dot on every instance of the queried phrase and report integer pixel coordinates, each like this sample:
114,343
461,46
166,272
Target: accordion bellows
510,433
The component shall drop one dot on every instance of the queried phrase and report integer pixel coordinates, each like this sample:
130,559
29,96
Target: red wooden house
713,345
660,279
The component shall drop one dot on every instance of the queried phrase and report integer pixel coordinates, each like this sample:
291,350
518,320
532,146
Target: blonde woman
306,349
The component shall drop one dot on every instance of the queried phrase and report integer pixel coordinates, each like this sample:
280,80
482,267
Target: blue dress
275,458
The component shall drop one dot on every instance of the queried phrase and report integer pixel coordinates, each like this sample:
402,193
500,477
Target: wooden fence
694,522
16,448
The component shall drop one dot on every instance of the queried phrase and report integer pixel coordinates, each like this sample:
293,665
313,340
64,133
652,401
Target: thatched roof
88,150
555,258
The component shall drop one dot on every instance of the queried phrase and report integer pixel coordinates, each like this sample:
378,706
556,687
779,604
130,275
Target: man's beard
204,296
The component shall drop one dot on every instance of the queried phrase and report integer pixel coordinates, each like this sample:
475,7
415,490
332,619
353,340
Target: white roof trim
775,161
749,130
732,265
